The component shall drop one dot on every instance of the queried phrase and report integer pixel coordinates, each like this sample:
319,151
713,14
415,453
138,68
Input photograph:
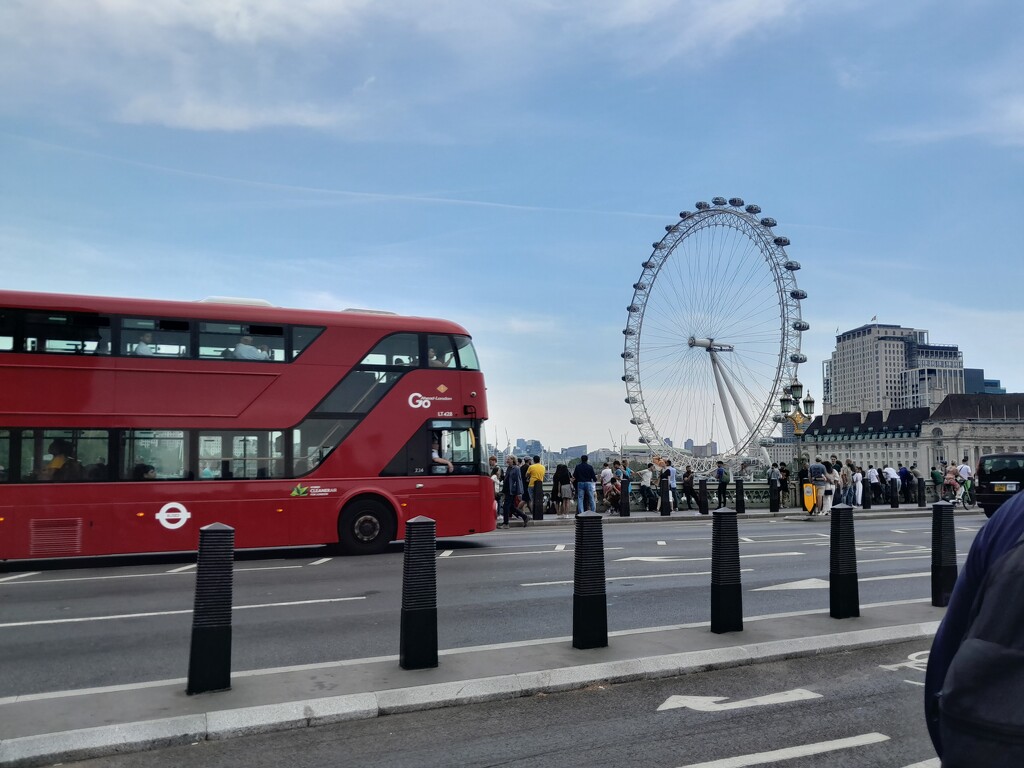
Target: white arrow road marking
823,584
629,578
805,584
670,559
775,756
711,703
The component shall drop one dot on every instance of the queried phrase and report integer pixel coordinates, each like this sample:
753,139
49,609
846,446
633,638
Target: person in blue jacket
995,538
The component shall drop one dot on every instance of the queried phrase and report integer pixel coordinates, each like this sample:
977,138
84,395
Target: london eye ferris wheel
712,337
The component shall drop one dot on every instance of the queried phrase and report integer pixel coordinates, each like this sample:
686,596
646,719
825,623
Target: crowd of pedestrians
608,489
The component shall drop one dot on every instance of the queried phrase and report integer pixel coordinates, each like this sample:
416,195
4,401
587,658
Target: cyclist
966,480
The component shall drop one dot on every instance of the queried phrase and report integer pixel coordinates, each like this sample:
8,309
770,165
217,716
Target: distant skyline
509,166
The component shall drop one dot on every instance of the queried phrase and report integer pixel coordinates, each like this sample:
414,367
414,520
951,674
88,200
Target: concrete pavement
41,729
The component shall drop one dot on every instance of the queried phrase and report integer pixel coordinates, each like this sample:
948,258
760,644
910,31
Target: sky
509,165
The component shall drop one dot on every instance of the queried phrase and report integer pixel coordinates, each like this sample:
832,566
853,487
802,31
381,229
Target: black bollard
209,660
843,592
773,496
589,600
417,648
943,553
537,501
624,499
922,493
741,502
894,493
702,495
666,498
726,589
866,494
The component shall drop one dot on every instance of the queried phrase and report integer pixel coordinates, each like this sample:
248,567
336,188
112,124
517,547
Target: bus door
442,461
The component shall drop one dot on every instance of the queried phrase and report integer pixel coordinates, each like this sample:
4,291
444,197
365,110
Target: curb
45,749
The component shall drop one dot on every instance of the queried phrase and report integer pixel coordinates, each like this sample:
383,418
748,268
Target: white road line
628,578
746,540
560,548
914,682
183,568
446,553
789,753
662,543
933,763
84,619
175,572
20,576
322,560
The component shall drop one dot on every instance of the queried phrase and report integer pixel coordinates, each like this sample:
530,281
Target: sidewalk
42,729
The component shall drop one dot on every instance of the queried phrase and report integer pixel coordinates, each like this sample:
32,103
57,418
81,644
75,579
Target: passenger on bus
432,359
145,346
59,451
246,350
144,472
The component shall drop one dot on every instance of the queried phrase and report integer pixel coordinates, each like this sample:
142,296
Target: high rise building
881,367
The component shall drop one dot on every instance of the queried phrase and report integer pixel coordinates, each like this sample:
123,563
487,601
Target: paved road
859,708
77,628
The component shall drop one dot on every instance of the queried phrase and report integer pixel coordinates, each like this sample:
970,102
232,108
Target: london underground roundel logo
173,515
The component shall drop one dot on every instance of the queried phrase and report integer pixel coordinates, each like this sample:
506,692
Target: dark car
999,476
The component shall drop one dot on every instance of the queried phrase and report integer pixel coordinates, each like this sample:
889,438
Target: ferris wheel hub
710,344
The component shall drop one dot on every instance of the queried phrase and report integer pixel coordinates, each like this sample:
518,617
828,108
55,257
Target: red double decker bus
126,425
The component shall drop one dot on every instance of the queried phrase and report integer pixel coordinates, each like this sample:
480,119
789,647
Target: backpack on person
981,710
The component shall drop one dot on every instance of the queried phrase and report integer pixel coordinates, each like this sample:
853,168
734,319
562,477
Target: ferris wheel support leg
721,396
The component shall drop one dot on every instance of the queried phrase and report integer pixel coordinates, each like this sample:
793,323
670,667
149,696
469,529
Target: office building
882,367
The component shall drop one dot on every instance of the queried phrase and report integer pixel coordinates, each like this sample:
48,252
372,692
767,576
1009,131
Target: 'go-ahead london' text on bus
126,425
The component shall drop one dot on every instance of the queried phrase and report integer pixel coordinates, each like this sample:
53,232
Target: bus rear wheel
365,527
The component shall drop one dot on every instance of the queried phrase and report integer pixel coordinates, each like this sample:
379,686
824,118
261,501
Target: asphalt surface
72,723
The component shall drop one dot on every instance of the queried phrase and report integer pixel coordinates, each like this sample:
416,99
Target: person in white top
246,350
145,346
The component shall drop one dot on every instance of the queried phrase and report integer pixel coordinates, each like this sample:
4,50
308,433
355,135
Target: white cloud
351,66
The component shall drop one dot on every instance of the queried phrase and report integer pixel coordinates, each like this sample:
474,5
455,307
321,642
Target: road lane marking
322,560
662,543
714,703
84,619
746,540
20,576
560,548
933,763
628,578
146,575
790,753
183,568
446,553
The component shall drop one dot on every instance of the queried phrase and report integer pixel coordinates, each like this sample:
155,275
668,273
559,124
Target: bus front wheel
366,527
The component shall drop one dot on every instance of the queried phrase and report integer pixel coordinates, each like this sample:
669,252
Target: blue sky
509,165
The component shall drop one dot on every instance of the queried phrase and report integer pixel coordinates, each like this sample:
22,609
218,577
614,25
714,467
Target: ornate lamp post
791,410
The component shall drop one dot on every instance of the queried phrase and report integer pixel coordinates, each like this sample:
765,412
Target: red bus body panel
98,518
